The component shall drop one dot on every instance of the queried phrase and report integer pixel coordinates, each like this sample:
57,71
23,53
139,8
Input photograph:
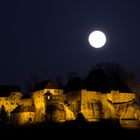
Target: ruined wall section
11,102
125,105
119,97
90,107
73,101
95,106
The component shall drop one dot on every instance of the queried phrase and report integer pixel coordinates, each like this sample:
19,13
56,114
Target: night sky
46,38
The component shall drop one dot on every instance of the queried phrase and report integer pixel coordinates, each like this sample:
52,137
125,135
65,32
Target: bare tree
119,78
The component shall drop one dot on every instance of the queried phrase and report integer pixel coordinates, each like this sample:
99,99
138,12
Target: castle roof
47,94
5,90
48,84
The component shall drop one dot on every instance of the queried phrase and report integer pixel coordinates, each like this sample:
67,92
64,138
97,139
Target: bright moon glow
97,39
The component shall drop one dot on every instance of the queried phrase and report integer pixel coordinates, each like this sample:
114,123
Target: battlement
116,96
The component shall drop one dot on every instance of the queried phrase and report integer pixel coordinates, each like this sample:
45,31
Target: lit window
48,97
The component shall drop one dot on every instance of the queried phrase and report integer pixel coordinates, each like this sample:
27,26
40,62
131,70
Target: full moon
97,39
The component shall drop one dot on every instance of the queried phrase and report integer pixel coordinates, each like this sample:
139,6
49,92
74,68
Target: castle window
48,97
30,119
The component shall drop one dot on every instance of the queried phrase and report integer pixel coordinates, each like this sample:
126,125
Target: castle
47,102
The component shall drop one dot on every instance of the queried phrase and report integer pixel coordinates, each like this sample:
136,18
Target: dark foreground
70,130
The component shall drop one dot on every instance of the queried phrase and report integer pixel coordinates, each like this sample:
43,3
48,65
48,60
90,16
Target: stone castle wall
40,102
11,102
93,105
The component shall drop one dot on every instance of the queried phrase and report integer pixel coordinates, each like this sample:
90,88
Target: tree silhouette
120,79
59,81
75,84
110,76
4,118
97,80
30,85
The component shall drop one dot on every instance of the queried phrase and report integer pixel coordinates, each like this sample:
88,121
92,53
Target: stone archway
56,113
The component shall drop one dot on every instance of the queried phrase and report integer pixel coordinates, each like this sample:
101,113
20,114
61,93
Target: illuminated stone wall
89,104
116,96
40,102
70,115
73,101
95,105
58,110
26,102
23,118
125,105
11,102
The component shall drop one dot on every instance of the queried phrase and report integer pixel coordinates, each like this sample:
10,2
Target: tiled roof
48,84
